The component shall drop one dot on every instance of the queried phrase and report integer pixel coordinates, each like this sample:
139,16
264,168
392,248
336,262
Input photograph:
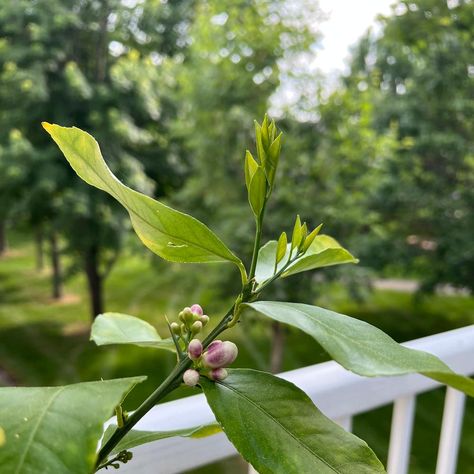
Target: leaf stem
256,245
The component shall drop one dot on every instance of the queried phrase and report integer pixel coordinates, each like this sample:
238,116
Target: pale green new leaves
283,432
171,234
324,251
56,429
136,438
360,347
117,328
281,248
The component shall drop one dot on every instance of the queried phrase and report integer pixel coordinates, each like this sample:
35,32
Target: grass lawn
45,343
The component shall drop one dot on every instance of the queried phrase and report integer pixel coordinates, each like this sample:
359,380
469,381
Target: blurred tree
420,74
94,65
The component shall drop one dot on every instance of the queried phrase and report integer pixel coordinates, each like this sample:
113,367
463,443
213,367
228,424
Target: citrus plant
58,429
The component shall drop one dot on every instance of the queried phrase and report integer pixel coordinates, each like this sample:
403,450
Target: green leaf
271,164
259,144
323,252
277,428
171,234
136,438
360,347
56,429
310,238
117,328
296,236
281,247
250,167
258,191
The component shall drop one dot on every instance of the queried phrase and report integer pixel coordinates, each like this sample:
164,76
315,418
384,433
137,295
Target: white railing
340,395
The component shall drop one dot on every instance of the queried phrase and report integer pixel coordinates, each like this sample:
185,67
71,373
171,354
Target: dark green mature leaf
323,252
171,234
360,347
277,428
136,438
257,191
117,328
56,429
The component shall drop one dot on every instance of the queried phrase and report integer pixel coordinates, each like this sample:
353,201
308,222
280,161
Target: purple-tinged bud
191,377
196,309
220,354
218,374
194,349
196,327
204,319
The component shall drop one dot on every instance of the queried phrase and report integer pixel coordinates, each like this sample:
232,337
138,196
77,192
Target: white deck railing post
400,435
450,431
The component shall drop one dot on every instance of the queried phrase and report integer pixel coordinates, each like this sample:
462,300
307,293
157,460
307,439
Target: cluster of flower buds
192,321
214,360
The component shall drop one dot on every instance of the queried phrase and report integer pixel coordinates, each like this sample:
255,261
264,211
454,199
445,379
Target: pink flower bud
218,374
191,377
195,349
196,309
220,354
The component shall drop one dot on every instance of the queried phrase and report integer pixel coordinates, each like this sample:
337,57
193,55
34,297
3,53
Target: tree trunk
39,243
56,266
278,345
94,281
3,237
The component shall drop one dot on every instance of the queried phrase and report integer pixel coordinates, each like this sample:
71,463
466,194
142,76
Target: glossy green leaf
136,438
56,429
281,247
250,167
117,328
323,252
277,428
360,347
257,191
171,234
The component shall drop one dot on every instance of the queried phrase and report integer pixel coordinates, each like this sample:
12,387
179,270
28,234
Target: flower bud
194,349
196,327
191,377
218,374
204,319
219,354
187,315
196,309
175,329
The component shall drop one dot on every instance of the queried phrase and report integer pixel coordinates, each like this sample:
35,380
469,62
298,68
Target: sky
347,21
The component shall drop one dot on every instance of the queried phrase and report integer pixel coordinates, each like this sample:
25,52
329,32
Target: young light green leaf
273,158
258,191
171,234
259,144
250,167
304,234
281,247
360,347
296,236
56,429
136,438
324,252
310,239
117,328
284,433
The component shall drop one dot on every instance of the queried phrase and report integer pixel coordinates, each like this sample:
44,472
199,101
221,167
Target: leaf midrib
260,408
